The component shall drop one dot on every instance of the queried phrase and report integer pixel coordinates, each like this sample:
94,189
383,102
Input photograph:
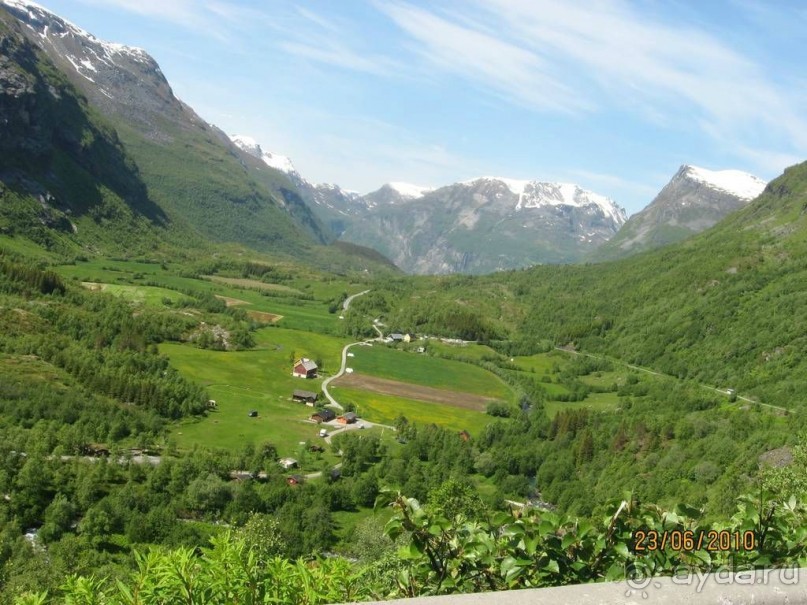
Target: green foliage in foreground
453,546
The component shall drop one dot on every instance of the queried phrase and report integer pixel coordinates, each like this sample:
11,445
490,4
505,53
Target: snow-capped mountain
190,166
694,200
119,79
333,205
485,224
480,225
273,160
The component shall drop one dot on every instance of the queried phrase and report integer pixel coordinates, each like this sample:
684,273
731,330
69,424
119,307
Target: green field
428,371
384,409
148,295
473,351
543,363
598,402
258,379
297,313
604,379
280,422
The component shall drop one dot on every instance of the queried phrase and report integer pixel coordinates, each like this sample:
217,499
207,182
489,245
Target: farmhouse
304,368
396,337
295,479
347,418
288,463
323,415
306,397
409,337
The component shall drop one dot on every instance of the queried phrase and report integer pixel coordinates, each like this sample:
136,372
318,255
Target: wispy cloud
601,55
609,182
489,60
335,54
215,18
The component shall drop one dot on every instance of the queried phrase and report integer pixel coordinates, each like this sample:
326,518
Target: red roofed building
304,368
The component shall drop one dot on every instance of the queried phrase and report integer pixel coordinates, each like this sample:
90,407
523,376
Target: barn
304,368
323,415
306,397
347,418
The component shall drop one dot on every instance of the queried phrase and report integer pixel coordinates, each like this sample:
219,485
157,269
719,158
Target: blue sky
609,94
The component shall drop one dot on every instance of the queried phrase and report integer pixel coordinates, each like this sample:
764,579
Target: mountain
483,225
694,200
273,160
191,170
331,204
66,180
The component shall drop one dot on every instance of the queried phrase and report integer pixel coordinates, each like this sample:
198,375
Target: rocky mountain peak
274,160
694,199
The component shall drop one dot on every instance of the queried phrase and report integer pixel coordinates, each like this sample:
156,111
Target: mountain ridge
693,200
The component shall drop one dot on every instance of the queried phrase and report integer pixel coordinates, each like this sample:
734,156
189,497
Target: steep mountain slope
191,169
484,225
330,204
65,178
694,200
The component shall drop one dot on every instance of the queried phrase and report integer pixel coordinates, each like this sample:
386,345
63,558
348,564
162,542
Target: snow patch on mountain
408,190
736,182
514,185
535,194
38,13
273,160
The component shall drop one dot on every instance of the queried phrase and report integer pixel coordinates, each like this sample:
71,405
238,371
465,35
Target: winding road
341,372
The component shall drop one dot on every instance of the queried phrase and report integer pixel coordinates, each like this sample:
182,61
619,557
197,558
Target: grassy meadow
384,409
258,379
292,300
428,371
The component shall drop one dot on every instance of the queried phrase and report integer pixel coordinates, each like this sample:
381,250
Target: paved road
654,373
349,299
327,381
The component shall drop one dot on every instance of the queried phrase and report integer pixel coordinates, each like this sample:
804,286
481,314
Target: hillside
65,177
724,307
190,169
694,200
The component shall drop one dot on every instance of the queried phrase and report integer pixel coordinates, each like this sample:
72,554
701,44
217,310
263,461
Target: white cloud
602,55
335,54
486,59
214,18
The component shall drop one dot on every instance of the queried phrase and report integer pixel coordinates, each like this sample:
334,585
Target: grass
258,379
280,422
310,315
148,295
473,351
428,371
542,363
252,284
603,379
598,402
384,409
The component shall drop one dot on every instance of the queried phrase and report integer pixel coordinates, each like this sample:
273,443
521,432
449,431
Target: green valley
205,399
